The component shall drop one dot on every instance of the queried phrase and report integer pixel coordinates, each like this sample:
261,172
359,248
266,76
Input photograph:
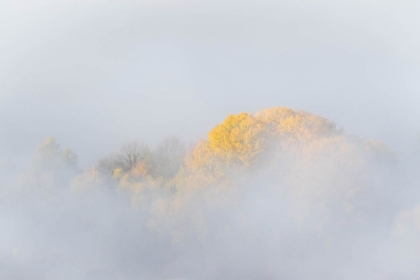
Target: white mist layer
341,212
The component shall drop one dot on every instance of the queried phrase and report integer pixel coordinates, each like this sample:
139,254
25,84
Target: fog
90,70
332,198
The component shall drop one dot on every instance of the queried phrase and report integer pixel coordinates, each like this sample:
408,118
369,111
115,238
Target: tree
239,139
70,157
49,155
168,157
245,140
108,164
286,123
132,153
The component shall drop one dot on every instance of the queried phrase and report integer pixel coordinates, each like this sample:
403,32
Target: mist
166,177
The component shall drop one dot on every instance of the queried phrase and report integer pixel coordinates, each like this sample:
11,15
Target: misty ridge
280,194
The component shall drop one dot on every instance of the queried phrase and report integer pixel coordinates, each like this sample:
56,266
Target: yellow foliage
238,138
118,173
141,169
201,157
298,125
243,139
89,181
274,115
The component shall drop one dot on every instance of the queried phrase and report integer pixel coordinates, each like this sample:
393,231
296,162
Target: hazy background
97,73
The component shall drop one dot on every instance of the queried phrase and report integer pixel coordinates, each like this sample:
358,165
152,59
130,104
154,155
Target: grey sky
97,73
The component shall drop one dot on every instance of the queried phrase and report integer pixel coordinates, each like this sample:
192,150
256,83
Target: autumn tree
168,157
239,139
49,155
108,164
284,122
131,155
245,140
89,181
51,171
